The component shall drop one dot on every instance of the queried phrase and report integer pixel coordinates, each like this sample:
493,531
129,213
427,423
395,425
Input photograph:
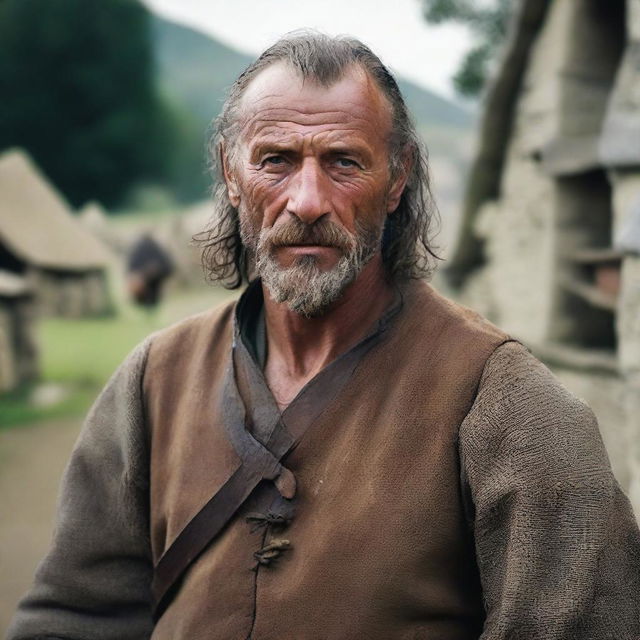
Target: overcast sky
394,29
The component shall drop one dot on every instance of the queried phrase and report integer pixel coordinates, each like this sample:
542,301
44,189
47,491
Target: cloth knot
271,552
260,520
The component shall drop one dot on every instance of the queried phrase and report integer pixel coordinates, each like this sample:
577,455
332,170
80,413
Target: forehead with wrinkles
279,95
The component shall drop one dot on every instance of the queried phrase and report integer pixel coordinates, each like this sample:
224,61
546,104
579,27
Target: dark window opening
588,268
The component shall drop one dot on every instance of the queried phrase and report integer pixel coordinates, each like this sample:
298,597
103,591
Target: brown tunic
440,447
379,539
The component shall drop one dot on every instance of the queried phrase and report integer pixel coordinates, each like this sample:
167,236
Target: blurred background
531,113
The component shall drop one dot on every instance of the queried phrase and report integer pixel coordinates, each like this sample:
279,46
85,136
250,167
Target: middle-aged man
343,454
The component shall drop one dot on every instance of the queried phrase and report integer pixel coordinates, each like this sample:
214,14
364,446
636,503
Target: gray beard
304,287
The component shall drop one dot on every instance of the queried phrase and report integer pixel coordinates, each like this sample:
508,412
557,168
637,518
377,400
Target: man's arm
557,545
94,582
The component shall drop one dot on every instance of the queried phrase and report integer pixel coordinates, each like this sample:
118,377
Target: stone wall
71,294
561,240
18,350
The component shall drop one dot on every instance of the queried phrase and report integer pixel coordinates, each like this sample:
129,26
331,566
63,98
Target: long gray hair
406,243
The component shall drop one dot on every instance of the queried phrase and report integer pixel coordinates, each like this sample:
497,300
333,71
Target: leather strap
258,462
193,539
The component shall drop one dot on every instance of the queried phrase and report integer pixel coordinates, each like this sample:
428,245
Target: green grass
87,351
81,354
16,410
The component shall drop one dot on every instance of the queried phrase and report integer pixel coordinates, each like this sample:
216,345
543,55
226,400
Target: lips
307,244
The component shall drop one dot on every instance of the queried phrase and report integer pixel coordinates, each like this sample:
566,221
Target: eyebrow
291,145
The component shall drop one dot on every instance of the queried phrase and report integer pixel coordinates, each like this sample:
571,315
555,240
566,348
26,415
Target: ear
229,178
399,183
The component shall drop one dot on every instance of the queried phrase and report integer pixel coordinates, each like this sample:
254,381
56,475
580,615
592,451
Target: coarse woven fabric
379,543
557,546
95,581
558,550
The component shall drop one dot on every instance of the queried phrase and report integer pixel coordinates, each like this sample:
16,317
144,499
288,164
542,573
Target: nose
308,198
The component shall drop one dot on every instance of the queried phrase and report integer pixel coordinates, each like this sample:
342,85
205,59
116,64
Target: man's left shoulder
515,379
523,409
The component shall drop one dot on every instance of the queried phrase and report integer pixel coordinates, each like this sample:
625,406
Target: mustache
322,232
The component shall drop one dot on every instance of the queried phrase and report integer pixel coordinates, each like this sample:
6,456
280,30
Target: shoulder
433,314
516,385
163,349
197,333
439,343
213,320
525,425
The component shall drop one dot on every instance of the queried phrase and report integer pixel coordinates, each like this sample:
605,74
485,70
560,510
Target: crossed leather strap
258,461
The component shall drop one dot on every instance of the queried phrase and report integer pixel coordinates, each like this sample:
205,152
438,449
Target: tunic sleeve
557,544
94,583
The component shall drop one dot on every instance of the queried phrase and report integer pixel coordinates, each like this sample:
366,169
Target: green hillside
197,69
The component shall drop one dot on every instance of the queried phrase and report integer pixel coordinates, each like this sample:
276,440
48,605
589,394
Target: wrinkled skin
314,153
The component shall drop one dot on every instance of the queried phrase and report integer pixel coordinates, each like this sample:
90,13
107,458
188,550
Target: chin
304,287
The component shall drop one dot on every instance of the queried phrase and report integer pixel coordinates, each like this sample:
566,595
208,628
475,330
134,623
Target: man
344,454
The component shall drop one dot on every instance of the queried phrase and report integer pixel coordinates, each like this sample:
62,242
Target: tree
488,22
78,93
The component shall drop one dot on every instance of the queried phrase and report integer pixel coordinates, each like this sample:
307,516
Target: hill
197,69
194,68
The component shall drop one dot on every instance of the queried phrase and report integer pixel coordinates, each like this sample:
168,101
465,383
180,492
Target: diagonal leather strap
193,539
258,462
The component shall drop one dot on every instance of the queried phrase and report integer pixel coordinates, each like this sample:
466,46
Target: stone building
549,246
40,240
18,352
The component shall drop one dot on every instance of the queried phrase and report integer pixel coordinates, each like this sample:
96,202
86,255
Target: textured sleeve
557,545
94,582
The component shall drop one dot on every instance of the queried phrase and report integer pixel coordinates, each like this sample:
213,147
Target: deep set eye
278,162
345,163
274,161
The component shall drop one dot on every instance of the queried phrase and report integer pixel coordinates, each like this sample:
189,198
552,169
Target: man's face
310,177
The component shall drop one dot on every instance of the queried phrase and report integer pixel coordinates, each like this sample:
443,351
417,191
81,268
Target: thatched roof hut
177,237
41,240
95,219
18,352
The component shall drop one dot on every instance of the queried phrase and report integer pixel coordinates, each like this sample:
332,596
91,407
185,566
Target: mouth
291,253
307,244
307,247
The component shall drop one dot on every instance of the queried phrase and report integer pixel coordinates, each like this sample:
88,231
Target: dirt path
32,459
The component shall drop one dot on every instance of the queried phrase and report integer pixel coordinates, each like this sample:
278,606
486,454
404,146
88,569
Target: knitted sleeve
557,545
94,582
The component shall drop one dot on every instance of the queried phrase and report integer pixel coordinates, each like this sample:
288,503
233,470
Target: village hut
43,242
550,241
95,219
18,352
176,235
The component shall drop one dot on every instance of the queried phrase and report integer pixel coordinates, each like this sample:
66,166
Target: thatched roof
12,285
93,216
36,223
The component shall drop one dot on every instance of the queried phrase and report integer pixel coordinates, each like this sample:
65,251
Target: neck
300,347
